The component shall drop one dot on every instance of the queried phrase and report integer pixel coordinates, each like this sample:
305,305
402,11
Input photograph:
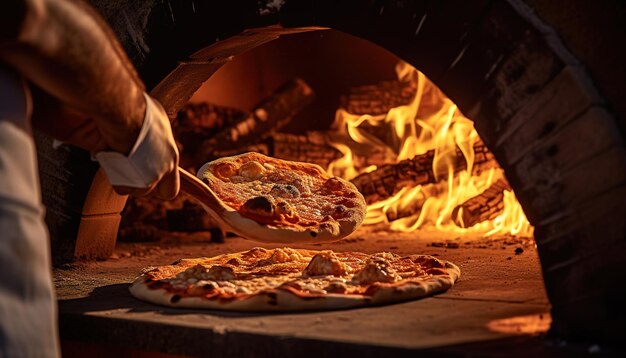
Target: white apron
28,325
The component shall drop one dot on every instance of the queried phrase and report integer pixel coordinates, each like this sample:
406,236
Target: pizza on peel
299,200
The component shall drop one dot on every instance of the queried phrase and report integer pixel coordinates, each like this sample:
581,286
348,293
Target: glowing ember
430,122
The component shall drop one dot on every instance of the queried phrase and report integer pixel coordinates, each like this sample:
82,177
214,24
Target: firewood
485,206
405,209
313,147
364,154
388,179
398,212
198,121
206,116
267,118
375,155
257,148
379,98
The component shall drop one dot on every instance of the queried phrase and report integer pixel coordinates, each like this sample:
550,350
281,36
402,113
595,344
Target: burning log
402,211
269,116
378,99
376,155
313,147
364,154
412,202
485,206
387,180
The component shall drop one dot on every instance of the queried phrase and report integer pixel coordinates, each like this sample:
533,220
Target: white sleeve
153,155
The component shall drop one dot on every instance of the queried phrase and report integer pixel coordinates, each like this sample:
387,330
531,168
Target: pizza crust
287,297
276,300
418,289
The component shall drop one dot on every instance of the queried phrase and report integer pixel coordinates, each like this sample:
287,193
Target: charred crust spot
260,204
291,188
175,298
155,285
208,286
177,262
313,233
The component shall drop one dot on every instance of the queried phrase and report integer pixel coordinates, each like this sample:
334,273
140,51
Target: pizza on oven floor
286,279
300,200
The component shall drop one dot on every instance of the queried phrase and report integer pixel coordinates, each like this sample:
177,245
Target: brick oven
558,140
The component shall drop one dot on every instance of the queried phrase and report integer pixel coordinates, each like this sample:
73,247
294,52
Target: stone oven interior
533,106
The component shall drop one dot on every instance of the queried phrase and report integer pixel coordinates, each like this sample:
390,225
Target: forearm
64,48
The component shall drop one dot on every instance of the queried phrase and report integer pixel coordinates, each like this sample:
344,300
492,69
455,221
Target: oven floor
499,305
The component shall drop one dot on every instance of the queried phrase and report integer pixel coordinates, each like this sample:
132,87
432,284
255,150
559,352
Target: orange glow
431,121
526,325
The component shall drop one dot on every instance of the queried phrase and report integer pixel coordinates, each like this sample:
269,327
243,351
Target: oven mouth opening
411,152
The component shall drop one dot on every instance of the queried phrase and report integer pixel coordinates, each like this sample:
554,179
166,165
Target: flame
431,121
